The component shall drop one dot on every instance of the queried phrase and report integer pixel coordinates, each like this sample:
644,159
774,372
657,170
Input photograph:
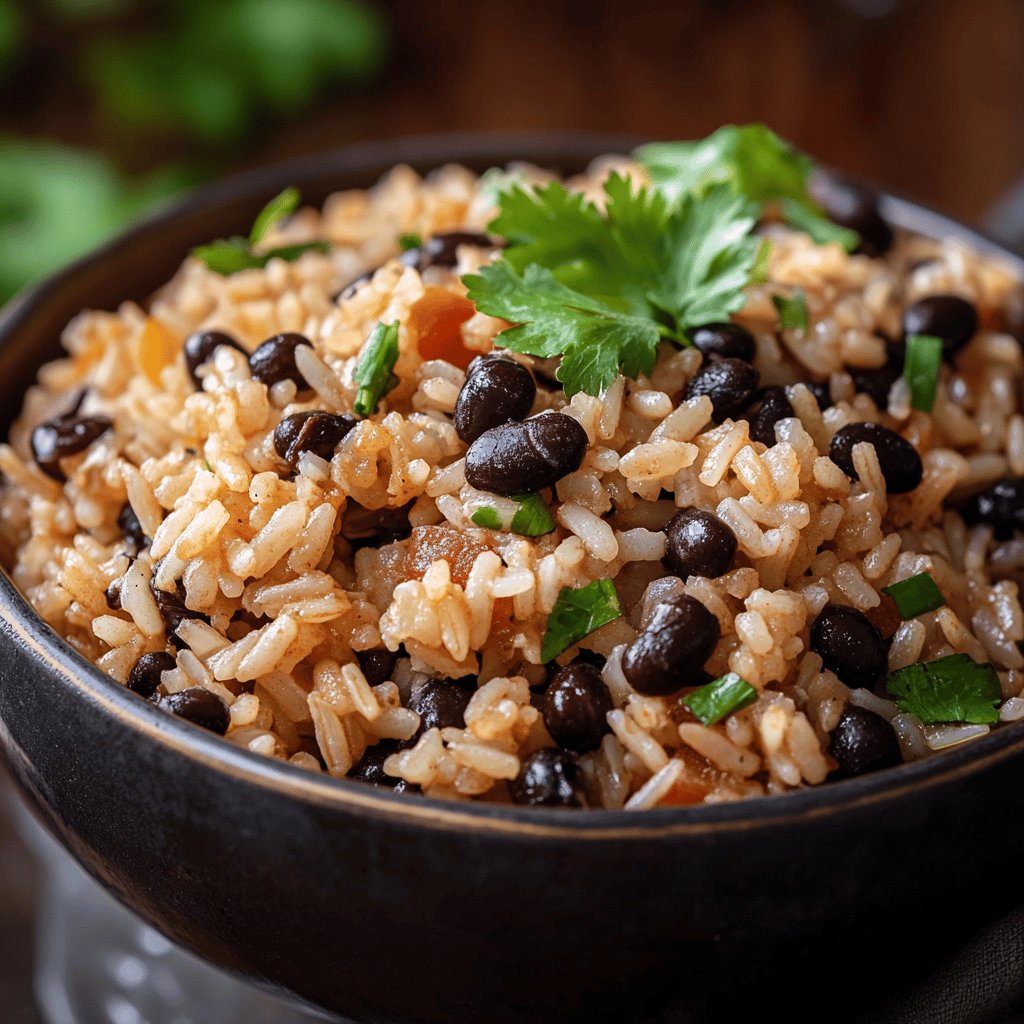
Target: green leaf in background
10,33
281,206
58,202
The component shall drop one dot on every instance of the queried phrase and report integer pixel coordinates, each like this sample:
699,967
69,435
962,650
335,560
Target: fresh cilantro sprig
951,689
230,255
602,289
577,613
373,371
754,162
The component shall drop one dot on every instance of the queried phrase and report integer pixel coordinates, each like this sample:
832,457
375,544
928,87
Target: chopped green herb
601,290
921,366
373,371
207,466
281,206
407,242
532,518
792,311
230,255
487,518
577,613
721,697
950,689
754,162
916,595
759,271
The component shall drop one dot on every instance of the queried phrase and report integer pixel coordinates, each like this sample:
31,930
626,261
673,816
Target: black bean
113,593
317,432
65,435
519,458
877,382
774,408
130,526
863,742
729,383
853,206
378,665
274,360
1001,505
948,317
372,527
698,543
144,677
172,606
849,645
575,707
548,778
670,652
442,250
199,347
822,393
897,457
353,286
440,703
497,391
724,340
200,707
370,767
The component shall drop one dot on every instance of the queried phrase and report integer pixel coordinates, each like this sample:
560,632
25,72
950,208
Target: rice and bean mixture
314,505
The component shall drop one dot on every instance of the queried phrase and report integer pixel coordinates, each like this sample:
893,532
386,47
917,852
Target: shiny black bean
519,458
1001,505
575,707
370,767
698,543
172,607
65,435
441,250
729,383
548,778
274,360
129,524
317,432
853,206
670,652
863,742
849,645
774,407
948,317
877,382
440,703
200,707
822,393
898,459
725,341
378,665
497,391
199,347
144,677
373,527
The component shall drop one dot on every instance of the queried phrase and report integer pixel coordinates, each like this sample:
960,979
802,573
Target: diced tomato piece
435,320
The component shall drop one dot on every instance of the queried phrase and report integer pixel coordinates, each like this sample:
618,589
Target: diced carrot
435,320
684,792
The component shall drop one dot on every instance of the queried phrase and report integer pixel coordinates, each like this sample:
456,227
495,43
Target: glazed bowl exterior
388,908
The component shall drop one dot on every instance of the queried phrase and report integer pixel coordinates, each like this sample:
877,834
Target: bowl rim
104,695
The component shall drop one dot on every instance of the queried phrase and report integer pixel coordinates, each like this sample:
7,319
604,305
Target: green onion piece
281,206
290,253
486,517
951,689
533,519
227,256
577,613
410,241
921,369
721,697
759,271
792,311
373,371
916,595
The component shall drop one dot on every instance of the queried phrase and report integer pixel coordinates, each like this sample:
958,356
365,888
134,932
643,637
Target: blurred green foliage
201,78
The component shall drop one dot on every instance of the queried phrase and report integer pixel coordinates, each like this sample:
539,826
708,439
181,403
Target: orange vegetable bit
435,320
429,544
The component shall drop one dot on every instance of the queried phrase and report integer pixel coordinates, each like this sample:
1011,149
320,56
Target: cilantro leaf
373,371
950,689
752,161
712,702
577,613
409,241
602,289
792,311
281,206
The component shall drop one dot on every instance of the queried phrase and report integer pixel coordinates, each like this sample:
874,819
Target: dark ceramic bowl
383,907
